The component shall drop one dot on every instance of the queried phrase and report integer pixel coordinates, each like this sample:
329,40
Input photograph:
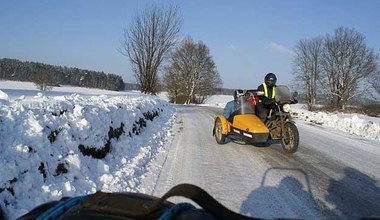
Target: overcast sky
247,39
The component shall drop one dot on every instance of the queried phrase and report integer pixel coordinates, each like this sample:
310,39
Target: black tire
219,137
290,140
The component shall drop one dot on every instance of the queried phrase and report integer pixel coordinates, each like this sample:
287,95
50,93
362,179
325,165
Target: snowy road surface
333,174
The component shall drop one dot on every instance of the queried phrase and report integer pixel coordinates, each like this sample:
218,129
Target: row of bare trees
152,39
341,66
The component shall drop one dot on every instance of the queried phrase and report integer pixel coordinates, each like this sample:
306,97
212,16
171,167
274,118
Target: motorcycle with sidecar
277,126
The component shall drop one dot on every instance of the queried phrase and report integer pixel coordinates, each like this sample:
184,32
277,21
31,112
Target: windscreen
283,94
245,106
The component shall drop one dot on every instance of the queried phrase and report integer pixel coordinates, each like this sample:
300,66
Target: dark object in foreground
135,206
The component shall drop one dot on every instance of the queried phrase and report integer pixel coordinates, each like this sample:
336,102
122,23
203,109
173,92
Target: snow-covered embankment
53,147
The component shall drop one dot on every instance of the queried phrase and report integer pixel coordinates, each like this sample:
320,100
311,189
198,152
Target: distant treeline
13,69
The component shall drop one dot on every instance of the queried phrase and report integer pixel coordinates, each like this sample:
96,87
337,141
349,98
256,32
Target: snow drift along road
53,147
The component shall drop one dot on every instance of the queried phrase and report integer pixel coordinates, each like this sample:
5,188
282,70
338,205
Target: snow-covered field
48,140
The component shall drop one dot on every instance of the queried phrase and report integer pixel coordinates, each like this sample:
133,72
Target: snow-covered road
333,175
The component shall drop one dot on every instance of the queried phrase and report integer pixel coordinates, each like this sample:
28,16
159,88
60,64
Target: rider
268,87
233,105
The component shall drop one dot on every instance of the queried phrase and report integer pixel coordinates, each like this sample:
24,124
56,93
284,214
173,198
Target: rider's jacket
269,92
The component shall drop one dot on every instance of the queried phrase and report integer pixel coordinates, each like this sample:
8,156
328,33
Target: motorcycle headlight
286,108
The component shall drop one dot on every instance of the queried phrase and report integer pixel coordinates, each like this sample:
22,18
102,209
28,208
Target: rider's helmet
270,79
238,93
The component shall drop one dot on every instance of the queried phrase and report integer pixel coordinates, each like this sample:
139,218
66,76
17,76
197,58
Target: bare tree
195,69
307,67
172,84
346,62
43,80
374,80
147,42
208,85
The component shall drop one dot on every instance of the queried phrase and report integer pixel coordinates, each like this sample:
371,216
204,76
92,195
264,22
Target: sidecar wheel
290,140
219,137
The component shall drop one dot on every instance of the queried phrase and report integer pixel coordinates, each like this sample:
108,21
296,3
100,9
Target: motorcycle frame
279,118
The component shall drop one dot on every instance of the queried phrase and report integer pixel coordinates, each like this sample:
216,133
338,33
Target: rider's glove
268,101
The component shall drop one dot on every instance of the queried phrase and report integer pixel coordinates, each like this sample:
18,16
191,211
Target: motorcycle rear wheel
290,138
219,137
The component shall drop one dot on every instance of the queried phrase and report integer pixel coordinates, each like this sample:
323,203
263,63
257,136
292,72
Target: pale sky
247,39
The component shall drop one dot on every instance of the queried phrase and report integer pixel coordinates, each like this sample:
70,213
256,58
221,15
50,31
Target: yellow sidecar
247,126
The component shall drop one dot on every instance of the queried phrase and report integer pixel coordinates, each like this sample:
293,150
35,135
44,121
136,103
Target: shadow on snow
354,196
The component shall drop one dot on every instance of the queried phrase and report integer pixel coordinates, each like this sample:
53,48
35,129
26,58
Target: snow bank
3,95
360,125
218,100
51,147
